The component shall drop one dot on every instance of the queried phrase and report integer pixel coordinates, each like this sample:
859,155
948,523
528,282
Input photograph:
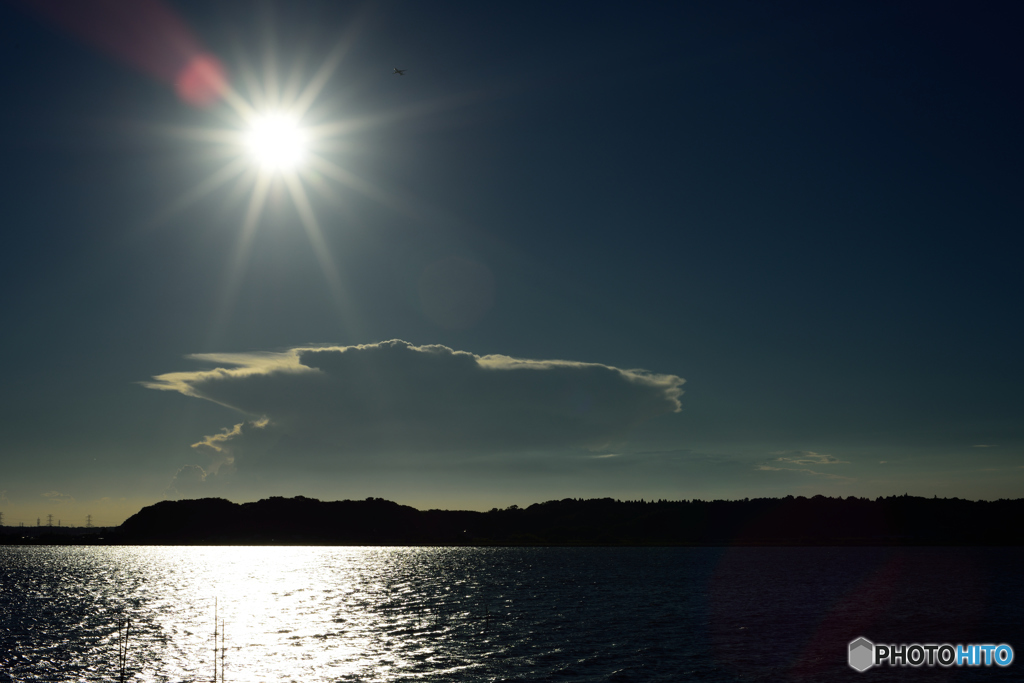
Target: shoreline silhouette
790,521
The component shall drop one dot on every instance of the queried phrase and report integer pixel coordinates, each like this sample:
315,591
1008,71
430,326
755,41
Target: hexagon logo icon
862,654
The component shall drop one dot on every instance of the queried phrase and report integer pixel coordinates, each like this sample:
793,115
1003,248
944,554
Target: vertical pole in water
215,640
122,649
223,648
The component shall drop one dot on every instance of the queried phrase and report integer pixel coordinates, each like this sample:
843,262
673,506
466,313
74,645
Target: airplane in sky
399,72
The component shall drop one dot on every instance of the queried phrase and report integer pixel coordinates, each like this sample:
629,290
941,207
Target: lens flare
202,82
147,35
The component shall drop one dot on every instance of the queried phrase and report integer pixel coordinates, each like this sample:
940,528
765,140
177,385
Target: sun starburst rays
235,271
273,138
263,146
320,247
233,169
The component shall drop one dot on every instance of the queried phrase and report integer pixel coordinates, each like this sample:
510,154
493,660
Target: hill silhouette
896,520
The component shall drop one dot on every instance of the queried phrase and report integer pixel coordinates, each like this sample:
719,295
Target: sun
276,141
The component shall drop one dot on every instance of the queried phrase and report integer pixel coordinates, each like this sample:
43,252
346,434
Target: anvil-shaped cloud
342,402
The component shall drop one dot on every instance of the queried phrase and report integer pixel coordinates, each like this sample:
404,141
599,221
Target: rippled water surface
315,614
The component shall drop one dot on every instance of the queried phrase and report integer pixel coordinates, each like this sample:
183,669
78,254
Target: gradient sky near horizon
657,250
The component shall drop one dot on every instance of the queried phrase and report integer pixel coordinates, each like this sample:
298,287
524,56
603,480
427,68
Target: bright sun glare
265,148
276,141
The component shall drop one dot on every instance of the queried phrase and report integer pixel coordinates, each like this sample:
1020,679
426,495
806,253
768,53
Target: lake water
312,614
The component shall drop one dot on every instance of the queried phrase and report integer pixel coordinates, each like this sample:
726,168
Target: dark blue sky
810,213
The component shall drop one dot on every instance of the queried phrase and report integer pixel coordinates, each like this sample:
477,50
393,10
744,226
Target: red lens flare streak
202,81
146,34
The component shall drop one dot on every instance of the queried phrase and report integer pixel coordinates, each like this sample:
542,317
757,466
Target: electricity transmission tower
49,520
88,521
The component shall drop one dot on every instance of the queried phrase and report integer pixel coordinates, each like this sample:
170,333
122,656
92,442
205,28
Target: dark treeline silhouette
897,520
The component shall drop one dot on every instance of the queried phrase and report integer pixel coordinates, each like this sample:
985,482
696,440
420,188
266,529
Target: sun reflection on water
329,614
288,613
300,612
